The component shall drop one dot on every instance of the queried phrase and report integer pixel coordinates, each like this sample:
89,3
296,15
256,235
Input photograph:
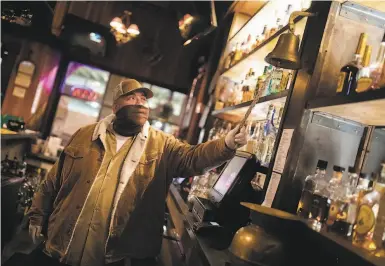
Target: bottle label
363,84
365,220
340,83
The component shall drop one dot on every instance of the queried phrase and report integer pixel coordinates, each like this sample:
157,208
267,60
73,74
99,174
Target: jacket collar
102,125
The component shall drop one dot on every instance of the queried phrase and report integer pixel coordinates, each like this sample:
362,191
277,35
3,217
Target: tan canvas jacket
137,227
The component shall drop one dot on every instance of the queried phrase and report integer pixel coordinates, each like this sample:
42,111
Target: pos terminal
223,208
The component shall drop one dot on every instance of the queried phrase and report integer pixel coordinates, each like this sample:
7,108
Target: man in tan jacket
104,199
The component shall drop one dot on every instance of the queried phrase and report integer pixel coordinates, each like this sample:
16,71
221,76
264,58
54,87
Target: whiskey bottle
348,74
364,79
311,181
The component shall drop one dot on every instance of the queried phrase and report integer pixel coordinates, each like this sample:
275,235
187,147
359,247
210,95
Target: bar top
341,249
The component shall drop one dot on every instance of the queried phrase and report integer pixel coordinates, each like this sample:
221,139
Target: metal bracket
362,14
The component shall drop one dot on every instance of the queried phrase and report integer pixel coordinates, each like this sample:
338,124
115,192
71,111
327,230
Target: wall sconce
122,28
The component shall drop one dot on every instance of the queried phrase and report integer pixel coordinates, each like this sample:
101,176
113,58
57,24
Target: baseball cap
127,86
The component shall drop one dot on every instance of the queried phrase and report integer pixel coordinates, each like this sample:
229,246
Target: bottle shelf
255,59
367,108
347,245
235,113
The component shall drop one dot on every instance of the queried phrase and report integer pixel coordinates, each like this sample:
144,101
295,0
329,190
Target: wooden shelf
255,59
235,113
367,108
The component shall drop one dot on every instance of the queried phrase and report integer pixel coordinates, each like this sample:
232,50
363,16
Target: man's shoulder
83,134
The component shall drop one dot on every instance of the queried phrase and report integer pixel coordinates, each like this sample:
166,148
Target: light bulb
116,23
133,29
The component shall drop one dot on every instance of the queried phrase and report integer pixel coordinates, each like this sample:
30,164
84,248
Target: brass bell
285,53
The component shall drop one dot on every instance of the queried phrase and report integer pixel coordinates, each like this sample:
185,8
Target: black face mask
130,119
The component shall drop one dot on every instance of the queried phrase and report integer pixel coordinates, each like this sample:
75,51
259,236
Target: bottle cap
362,44
367,55
337,168
351,169
322,164
366,176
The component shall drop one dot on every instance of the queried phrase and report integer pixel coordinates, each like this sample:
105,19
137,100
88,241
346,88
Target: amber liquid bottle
348,73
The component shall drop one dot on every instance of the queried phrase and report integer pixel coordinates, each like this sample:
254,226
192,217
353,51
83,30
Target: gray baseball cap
128,86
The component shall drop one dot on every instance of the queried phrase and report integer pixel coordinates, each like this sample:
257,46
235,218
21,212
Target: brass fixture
285,53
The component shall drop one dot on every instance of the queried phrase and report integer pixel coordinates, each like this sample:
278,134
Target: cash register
222,210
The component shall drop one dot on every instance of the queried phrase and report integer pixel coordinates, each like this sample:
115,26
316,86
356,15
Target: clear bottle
304,205
369,228
347,79
271,136
322,192
352,181
364,79
213,130
343,206
336,181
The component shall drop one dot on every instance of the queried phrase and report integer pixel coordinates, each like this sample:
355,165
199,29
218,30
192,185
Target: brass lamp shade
285,53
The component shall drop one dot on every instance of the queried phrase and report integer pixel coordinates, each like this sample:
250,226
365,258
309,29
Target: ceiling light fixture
122,28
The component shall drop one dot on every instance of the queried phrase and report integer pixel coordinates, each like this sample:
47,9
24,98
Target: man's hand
236,140
35,234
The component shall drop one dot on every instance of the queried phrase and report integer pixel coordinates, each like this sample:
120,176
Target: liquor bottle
347,78
263,35
266,85
320,202
249,44
260,142
352,181
271,136
305,201
286,17
276,78
22,170
363,77
5,165
369,227
249,145
213,130
229,59
237,54
343,207
336,181
15,166
261,81
378,67
245,87
255,137
275,27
